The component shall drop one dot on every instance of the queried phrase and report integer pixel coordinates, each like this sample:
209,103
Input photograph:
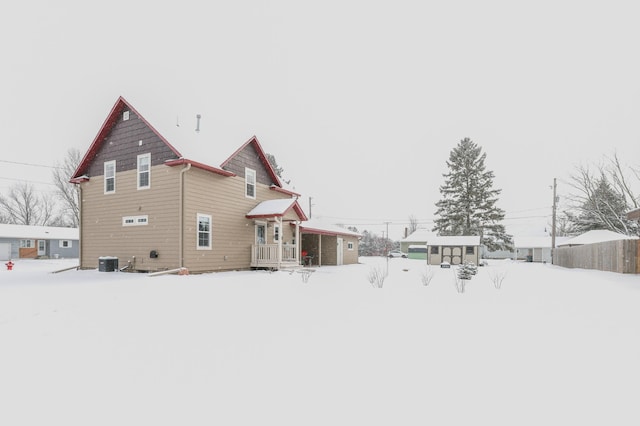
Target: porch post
279,222
298,242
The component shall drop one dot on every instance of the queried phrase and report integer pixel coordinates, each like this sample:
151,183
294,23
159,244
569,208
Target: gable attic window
125,115
250,183
144,171
109,176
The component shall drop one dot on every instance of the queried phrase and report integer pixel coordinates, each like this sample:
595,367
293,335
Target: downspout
181,217
79,191
298,243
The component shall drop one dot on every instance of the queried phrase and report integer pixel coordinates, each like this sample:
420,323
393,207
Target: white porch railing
266,255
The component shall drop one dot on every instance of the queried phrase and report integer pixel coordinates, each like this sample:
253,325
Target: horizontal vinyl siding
232,233
104,235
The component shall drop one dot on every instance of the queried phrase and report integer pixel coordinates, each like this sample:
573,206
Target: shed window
204,232
434,250
250,182
110,176
144,171
470,250
350,245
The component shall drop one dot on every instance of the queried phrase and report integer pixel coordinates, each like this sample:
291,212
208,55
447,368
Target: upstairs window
144,171
204,232
250,183
110,176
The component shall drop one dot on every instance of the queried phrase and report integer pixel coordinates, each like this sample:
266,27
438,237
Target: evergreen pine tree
468,204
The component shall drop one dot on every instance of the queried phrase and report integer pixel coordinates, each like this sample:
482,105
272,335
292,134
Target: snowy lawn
553,346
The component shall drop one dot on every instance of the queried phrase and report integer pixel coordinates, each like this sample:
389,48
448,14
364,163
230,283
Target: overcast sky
360,101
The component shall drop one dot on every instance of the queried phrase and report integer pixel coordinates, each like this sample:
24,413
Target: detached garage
32,242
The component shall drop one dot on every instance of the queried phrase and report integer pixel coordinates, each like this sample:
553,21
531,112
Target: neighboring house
25,241
453,249
325,244
634,215
144,203
593,237
535,249
419,237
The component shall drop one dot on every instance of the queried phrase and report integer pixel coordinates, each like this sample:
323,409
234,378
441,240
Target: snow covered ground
552,347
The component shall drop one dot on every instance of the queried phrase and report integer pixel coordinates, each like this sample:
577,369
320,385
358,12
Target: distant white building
25,241
535,249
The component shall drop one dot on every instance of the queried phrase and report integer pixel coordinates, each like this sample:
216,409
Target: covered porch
276,246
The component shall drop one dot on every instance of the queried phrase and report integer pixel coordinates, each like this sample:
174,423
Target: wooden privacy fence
621,256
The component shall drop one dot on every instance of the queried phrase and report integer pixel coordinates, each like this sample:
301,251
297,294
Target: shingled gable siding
123,145
232,233
102,230
248,157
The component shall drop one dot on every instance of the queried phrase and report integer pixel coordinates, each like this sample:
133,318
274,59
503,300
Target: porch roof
316,227
276,208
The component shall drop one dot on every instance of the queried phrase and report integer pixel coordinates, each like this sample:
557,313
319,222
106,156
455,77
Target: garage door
5,251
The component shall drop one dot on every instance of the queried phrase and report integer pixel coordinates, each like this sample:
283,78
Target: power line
29,164
29,181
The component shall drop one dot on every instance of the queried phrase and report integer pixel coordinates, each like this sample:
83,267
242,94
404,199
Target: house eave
198,165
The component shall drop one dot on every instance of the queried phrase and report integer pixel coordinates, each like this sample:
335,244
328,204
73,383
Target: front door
261,233
42,247
340,257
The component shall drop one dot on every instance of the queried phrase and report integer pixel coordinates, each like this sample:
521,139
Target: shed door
340,254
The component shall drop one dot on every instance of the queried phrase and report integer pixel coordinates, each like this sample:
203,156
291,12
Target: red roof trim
295,206
108,124
261,154
284,191
198,165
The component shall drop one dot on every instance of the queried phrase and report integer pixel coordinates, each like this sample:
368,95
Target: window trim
139,220
250,172
350,245
106,177
27,243
140,172
470,250
61,244
209,232
276,232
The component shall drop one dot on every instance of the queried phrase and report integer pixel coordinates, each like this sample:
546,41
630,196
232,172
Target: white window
65,244
204,232
27,244
135,220
144,171
110,176
125,115
250,182
276,232
350,246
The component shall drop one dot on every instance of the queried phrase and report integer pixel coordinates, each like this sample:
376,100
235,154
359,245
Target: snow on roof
596,236
38,232
537,242
419,236
454,240
272,207
326,228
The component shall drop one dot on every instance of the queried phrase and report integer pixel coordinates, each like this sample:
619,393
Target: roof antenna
198,117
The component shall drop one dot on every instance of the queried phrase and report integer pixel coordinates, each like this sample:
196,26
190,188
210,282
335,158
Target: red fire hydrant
9,265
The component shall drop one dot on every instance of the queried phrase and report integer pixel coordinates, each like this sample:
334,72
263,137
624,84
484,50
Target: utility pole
553,222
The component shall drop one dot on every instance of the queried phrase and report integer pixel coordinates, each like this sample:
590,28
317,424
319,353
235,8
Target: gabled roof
419,236
261,154
38,232
120,106
596,236
276,208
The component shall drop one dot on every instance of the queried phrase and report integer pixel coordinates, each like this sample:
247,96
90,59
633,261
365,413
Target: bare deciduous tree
413,224
70,210
23,206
